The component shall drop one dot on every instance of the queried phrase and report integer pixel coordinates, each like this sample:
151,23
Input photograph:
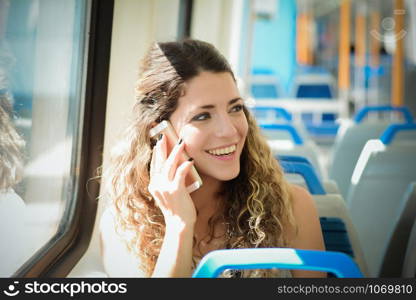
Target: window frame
57,257
185,19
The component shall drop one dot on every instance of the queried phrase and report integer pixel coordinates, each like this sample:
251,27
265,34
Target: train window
42,63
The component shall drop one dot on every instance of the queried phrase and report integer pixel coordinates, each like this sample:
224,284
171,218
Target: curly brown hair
257,209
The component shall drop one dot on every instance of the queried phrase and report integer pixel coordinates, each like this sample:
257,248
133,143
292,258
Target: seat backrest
329,186
281,131
335,235
314,85
314,91
333,221
350,141
380,178
333,206
324,131
399,133
294,145
398,238
352,137
307,171
409,264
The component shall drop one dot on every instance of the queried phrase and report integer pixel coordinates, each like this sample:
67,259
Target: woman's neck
207,203
206,197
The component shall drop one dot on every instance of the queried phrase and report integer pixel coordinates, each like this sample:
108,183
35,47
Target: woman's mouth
224,153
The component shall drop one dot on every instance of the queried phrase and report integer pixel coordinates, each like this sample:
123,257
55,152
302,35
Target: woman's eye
237,108
201,117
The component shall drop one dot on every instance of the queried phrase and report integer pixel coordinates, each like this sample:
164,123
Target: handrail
215,262
285,127
293,158
388,135
307,172
362,113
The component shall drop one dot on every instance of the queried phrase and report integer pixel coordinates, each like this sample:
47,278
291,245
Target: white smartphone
192,181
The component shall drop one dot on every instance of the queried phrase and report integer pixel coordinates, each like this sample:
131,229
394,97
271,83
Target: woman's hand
167,184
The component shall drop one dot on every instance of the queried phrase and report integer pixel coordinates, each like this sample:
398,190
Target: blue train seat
323,129
294,144
399,238
351,138
333,206
272,114
409,263
264,84
306,170
384,170
314,85
329,186
314,91
215,262
336,236
338,231
367,111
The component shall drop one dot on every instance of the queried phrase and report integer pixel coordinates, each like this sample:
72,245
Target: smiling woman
153,224
212,124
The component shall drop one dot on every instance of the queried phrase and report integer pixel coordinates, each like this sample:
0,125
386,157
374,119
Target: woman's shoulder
304,208
301,198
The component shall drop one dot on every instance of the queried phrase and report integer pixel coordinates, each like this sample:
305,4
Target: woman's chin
226,176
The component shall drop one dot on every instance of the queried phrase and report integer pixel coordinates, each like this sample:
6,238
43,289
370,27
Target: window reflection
41,84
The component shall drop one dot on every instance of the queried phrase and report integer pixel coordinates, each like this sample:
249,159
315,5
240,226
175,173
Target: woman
244,202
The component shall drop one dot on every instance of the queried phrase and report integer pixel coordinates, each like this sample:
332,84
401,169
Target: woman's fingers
182,171
173,159
166,166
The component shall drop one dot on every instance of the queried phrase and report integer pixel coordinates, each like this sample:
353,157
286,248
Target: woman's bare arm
175,258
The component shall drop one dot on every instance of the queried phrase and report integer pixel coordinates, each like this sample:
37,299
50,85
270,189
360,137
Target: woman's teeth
223,151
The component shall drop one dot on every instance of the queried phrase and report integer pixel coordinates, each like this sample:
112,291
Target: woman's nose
225,127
